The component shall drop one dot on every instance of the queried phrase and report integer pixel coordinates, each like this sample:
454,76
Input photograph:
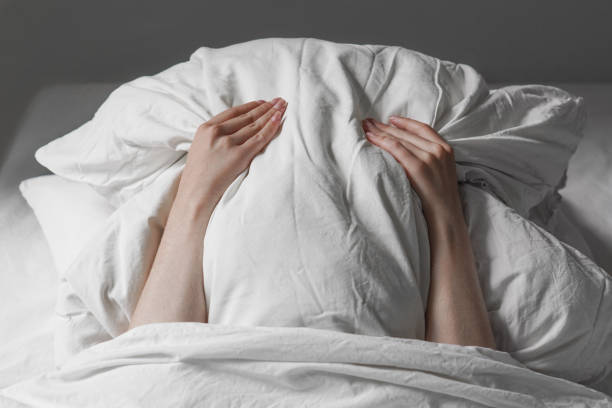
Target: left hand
427,160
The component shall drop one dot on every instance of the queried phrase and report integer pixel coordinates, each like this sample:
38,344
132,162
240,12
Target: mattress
28,283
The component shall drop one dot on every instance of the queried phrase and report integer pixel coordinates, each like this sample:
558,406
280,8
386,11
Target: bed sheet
29,281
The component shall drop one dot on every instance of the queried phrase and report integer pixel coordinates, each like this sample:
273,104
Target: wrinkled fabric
194,364
324,230
549,305
146,124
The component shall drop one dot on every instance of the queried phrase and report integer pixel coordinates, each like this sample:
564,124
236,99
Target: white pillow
145,125
550,306
68,213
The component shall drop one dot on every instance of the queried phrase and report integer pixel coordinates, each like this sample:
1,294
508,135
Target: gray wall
51,41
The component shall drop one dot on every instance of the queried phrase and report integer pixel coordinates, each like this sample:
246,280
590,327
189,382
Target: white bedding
28,278
169,349
190,364
28,292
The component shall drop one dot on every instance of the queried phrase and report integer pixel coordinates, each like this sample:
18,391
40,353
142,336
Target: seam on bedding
440,91
379,92
303,267
367,82
71,315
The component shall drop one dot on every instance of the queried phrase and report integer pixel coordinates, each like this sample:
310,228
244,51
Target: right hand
224,147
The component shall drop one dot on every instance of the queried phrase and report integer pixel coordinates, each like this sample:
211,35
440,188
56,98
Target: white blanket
324,230
191,364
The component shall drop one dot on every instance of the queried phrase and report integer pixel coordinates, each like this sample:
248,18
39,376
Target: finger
244,134
236,123
381,135
420,142
407,159
232,112
418,128
256,143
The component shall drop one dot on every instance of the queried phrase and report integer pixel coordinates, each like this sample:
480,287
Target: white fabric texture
549,305
330,233
146,124
191,364
69,213
28,283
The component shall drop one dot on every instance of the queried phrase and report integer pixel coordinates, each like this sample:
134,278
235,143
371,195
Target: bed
28,283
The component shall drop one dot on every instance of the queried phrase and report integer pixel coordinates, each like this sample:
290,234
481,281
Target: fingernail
393,118
260,101
279,104
367,124
276,117
370,135
273,101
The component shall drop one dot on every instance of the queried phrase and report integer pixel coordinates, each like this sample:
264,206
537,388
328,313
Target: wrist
198,210
446,225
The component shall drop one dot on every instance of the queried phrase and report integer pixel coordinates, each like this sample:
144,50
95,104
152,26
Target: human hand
223,147
427,160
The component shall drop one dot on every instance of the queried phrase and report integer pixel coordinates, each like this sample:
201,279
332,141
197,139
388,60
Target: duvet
316,259
189,365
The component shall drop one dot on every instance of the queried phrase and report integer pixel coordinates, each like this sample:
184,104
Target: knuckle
424,127
394,144
403,156
253,125
261,136
213,129
250,117
202,128
438,151
262,120
420,167
225,142
429,159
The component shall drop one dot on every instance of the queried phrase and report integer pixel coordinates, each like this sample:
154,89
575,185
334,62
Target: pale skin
456,311
225,145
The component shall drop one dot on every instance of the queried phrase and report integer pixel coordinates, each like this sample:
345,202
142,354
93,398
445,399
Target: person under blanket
224,147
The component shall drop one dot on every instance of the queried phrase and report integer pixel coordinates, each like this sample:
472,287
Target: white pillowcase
68,212
550,306
146,124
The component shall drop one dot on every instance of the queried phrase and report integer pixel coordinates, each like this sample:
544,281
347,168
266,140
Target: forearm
222,148
456,311
174,288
